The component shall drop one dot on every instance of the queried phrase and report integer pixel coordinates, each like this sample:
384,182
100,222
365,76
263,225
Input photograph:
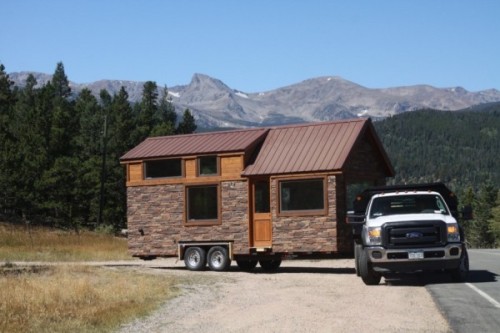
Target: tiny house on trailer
252,195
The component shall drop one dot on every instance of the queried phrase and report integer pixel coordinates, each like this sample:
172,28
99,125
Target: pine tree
484,203
494,222
7,142
88,153
148,110
187,124
166,116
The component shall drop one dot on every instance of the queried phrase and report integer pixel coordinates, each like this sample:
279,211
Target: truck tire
218,259
357,252
270,265
246,265
368,275
195,258
460,273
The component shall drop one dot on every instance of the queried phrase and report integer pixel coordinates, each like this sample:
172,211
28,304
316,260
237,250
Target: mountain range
214,104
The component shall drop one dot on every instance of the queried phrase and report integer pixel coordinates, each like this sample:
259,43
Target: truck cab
408,229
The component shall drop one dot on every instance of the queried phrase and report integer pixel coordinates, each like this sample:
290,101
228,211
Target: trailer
254,196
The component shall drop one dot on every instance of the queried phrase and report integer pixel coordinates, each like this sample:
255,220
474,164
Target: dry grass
21,243
76,298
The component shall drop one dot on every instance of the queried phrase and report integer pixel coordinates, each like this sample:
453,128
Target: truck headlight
373,236
453,233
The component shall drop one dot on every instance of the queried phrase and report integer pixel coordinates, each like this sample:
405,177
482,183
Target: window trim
198,168
145,168
206,222
309,212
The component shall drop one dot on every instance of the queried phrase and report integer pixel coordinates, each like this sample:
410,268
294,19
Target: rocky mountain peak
214,104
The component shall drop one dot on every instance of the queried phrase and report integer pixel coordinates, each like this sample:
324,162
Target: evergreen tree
30,154
7,100
148,110
494,222
484,203
187,124
88,154
166,115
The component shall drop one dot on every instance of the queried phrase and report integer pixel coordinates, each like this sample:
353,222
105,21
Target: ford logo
414,234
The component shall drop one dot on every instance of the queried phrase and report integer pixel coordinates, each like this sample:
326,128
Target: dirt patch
303,296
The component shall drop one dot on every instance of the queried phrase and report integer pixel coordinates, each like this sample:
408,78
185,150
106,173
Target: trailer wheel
368,275
218,259
460,273
195,258
246,265
270,265
357,252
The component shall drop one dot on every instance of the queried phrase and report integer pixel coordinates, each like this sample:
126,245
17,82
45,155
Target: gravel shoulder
303,296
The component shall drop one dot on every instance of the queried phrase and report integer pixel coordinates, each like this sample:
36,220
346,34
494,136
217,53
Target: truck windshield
408,204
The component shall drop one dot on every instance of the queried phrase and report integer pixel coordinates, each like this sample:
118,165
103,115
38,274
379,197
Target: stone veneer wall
305,233
159,212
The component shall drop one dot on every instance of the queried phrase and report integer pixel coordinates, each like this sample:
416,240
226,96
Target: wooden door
262,229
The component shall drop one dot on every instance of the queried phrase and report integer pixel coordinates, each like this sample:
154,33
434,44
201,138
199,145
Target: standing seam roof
306,148
201,143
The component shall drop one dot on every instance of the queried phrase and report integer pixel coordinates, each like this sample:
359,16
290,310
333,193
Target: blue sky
257,45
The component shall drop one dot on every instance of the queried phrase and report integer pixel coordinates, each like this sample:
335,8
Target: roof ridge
321,123
209,133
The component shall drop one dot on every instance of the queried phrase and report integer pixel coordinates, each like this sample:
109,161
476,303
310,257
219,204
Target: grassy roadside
21,243
72,298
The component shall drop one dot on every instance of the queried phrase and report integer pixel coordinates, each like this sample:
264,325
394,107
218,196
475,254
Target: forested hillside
461,149
60,153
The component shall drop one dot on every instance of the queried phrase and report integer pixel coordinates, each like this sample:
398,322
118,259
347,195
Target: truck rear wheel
368,275
460,273
246,265
195,258
218,259
270,265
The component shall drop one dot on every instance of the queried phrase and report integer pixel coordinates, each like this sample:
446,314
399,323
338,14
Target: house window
302,196
208,165
202,204
163,168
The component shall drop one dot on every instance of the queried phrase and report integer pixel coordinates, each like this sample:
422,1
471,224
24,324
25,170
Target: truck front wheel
195,258
368,275
358,248
218,259
460,273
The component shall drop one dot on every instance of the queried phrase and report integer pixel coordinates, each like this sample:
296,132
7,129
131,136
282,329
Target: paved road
473,306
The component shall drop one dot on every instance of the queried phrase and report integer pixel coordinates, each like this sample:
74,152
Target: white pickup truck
408,228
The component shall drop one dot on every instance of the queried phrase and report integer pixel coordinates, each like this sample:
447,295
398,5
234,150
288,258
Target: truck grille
414,234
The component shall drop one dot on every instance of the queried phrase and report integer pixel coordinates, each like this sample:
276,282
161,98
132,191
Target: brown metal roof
201,143
307,148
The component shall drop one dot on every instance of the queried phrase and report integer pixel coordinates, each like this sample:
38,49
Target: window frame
202,222
303,212
198,166
145,168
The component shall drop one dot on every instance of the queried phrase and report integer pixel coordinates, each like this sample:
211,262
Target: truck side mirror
353,218
467,213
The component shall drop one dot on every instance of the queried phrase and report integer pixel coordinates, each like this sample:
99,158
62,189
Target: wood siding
231,168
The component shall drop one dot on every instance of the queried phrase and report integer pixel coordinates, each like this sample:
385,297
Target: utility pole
103,171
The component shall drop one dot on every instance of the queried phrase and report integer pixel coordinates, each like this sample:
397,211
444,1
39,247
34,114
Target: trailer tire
246,265
358,248
270,265
218,259
195,258
460,273
368,275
